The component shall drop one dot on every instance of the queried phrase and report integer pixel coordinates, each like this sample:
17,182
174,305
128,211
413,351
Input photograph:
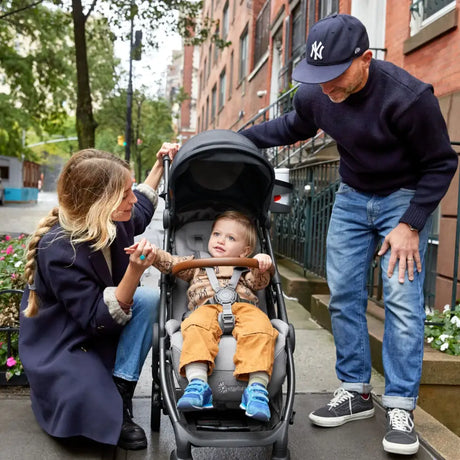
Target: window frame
222,88
243,64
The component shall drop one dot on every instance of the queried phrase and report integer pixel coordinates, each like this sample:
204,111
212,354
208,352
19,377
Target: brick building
268,40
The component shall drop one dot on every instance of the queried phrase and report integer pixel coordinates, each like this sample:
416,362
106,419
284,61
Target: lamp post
135,51
129,94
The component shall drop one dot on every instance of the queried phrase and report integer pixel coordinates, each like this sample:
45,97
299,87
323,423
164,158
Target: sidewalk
22,438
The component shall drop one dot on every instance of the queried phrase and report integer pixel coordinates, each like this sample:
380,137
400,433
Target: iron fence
301,234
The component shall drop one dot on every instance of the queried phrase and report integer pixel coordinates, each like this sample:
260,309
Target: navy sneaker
197,396
344,407
400,437
255,402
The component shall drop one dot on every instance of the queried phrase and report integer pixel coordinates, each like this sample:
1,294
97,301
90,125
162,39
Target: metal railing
288,155
301,234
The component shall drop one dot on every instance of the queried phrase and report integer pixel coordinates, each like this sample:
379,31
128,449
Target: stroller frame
209,428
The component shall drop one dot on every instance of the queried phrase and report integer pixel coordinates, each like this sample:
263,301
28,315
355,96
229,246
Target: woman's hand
169,149
141,254
154,177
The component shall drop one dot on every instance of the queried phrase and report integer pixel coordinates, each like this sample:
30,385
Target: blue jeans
358,223
136,337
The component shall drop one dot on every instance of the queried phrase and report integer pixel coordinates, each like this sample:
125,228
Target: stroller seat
226,389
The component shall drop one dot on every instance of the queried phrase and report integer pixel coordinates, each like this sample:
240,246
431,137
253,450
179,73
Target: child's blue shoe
197,396
255,402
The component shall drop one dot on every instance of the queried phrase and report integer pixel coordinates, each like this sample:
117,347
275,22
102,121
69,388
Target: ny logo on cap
317,50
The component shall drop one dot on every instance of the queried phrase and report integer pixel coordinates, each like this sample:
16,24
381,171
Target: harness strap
226,296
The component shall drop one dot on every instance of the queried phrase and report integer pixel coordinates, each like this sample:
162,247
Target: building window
205,67
222,82
4,172
230,83
425,12
202,119
243,69
298,31
327,7
262,32
209,60
207,112
213,102
225,21
216,48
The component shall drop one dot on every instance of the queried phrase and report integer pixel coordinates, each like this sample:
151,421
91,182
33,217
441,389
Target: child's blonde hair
247,224
90,188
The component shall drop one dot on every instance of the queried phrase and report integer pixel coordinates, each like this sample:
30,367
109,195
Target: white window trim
416,24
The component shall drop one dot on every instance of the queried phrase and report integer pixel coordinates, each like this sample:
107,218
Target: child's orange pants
255,339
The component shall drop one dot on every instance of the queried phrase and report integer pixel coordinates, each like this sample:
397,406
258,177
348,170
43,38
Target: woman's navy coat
68,349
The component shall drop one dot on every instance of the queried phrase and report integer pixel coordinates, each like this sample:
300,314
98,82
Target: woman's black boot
132,436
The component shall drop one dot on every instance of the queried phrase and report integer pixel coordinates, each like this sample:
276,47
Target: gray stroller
215,171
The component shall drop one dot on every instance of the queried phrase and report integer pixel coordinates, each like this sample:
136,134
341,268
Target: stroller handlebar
215,262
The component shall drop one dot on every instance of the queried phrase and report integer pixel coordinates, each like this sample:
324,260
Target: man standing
396,163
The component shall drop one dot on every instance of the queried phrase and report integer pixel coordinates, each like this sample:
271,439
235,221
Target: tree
151,15
39,75
35,75
152,124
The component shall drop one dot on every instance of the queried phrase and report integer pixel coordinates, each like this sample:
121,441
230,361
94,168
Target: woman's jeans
136,337
358,223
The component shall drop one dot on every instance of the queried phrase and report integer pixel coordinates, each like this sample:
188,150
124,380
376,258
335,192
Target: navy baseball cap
332,44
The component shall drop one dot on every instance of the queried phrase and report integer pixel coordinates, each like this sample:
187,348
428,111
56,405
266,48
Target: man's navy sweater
390,135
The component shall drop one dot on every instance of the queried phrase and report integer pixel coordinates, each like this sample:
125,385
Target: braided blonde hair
90,188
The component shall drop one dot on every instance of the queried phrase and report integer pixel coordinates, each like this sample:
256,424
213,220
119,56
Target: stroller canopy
219,170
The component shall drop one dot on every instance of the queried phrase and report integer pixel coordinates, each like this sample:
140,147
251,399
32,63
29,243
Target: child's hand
265,262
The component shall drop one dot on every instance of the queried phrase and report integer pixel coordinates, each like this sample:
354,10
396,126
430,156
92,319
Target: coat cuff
116,312
149,192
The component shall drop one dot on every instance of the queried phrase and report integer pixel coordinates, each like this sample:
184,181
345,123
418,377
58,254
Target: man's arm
284,130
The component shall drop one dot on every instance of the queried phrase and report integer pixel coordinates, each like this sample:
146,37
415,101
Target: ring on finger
142,257
410,259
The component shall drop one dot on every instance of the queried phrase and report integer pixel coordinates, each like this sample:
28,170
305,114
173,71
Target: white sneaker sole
330,422
402,449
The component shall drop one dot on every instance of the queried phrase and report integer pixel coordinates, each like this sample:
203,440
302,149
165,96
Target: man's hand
403,243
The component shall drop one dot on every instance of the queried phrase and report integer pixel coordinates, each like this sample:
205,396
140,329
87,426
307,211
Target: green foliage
11,277
443,330
36,67
151,124
9,356
12,252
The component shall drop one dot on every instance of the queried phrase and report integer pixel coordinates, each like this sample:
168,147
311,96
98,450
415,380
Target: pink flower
7,238
20,237
9,250
10,362
2,258
13,276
